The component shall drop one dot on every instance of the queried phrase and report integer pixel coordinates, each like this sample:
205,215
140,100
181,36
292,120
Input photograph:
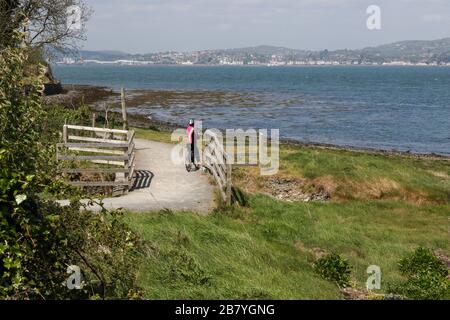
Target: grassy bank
381,207
345,175
154,134
351,175
268,251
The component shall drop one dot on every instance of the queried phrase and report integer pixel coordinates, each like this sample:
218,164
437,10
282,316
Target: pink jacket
190,133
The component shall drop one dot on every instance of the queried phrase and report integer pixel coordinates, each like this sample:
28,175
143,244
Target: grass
267,252
351,175
154,134
382,207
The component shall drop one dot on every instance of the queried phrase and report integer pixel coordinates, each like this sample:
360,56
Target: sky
143,26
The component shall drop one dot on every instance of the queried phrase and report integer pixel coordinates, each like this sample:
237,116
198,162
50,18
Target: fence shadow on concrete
142,180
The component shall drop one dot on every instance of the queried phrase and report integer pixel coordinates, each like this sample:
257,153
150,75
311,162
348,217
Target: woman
191,141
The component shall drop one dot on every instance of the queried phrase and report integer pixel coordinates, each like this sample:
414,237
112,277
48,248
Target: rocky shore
97,98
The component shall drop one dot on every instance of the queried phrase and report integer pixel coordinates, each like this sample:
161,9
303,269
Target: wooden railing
111,148
218,162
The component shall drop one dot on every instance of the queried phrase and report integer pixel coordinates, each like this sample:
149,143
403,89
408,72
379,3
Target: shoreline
247,65
96,96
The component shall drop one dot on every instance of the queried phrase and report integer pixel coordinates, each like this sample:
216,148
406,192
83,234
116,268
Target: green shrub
39,239
426,277
181,268
423,260
21,113
334,268
107,251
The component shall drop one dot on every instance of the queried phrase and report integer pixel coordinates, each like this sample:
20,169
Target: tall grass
382,207
268,251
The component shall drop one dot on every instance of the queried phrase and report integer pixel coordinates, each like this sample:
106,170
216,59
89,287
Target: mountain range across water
413,51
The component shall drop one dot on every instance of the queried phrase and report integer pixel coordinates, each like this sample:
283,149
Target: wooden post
65,135
124,110
229,172
93,135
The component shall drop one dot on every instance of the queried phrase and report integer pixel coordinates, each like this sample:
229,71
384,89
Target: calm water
402,108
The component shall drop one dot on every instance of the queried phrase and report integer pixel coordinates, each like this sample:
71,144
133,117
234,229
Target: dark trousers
192,148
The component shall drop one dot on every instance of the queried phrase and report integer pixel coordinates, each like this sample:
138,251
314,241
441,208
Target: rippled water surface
402,108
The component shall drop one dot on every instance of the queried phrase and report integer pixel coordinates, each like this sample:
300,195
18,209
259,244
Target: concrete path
160,184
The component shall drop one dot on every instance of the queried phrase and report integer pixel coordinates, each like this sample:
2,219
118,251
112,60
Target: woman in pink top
191,140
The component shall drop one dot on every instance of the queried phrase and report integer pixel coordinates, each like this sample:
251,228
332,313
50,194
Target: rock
392,296
355,294
53,89
291,190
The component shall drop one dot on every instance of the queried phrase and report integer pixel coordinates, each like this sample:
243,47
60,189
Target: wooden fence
218,162
111,148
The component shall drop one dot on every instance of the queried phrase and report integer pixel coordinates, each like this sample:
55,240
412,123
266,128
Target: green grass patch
352,175
154,134
382,207
406,177
268,251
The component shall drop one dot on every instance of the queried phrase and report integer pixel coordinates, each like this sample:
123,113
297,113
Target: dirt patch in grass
440,174
295,188
326,183
316,251
444,258
386,189
284,187
355,294
363,294
377,189
292,190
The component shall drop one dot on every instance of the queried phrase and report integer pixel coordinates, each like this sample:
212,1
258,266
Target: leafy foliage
46,21
39,239
422,260
426,277
30,251
334,268
105,249
21,113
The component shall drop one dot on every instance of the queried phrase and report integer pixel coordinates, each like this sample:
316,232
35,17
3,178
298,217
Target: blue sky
140,26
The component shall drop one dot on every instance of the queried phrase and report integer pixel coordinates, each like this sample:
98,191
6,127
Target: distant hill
413,50
436,51
104,55
264,50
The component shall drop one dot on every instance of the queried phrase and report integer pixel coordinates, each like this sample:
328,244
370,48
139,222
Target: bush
107,251
334,268
39,239
21,113
422,261
426,277
181,268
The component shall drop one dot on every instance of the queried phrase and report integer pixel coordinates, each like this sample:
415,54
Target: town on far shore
404,53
